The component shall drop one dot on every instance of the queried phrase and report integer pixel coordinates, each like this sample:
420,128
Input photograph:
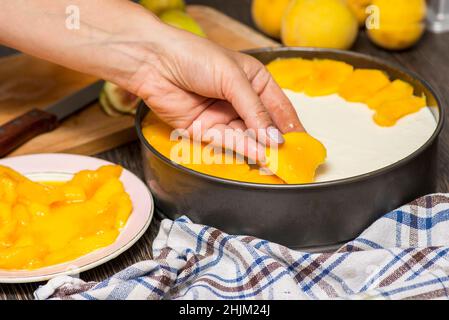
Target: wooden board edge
225,21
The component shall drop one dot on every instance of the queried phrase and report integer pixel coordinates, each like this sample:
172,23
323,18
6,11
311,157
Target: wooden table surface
430,59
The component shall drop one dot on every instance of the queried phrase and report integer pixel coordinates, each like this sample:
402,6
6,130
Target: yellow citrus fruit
158,6
400,24
319,23
267,15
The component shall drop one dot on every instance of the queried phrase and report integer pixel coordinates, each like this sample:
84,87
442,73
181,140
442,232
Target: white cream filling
355,143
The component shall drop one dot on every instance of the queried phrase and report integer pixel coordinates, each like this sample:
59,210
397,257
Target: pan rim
315,185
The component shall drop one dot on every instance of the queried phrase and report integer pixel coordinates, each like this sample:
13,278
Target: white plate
61,167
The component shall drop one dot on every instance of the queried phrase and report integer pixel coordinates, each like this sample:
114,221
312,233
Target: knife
35,122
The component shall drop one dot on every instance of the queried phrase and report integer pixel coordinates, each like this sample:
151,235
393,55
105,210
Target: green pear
159,6
182,20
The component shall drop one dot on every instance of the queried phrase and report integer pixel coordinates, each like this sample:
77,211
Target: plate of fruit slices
59,168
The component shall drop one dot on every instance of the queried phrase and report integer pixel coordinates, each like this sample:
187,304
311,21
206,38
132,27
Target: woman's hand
184,78
189,79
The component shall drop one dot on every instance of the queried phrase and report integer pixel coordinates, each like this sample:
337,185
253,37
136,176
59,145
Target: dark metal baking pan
315,216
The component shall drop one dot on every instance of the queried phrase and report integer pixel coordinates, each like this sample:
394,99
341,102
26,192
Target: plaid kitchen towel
403,255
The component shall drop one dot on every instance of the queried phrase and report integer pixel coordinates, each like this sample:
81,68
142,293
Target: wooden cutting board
27,82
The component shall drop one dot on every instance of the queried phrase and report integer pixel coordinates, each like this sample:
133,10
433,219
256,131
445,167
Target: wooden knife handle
25,127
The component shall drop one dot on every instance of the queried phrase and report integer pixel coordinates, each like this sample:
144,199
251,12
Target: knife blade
76,101
35,122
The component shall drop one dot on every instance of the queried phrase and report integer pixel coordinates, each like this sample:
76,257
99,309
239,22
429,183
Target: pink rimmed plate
60,167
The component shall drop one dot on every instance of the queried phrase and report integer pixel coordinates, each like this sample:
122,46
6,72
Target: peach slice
297,159
158,135
291,73
327,77
41,223
391,111
396,90
363,84
298,146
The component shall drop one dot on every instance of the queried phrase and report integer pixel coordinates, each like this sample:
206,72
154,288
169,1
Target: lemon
401,23
158,6
319,23
182,20
267,15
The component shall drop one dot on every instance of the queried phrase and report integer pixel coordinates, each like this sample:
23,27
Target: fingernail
275,135
262,160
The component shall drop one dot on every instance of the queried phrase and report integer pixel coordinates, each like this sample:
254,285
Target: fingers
216,112
220,125
238,90
280,108
271,95
233,137
251,148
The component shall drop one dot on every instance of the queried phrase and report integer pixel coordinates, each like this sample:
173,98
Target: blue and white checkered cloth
403,255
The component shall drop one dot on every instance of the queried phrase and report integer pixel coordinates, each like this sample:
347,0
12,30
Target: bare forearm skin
114,39
185,78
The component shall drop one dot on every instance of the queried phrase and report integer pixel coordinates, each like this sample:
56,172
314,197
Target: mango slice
47,223
327,76
299,157
396,90
190,154
362,84
291,73
82,246
296,161
315,77
391,111
372,87
91,180
158,133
